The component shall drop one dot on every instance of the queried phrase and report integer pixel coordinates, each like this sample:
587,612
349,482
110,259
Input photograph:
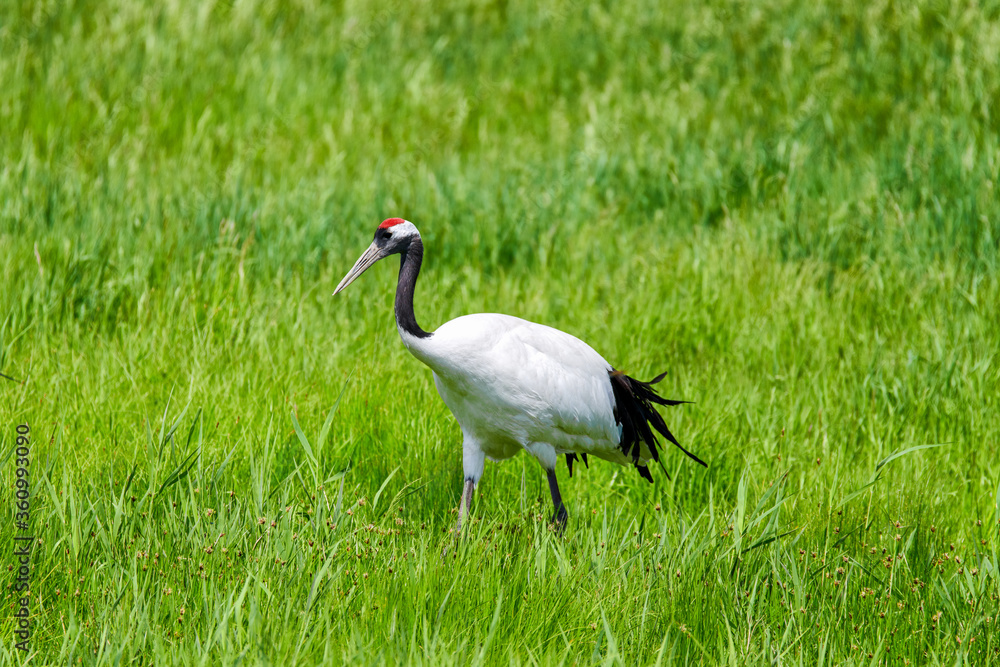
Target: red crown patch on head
391,222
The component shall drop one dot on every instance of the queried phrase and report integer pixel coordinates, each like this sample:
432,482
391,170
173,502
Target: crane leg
560,516
465,504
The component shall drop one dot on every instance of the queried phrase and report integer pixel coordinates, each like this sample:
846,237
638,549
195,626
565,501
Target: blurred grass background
791,207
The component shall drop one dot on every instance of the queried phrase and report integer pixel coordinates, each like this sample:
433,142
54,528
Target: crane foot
559,520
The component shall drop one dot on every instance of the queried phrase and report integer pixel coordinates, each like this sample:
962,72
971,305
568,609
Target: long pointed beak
369,257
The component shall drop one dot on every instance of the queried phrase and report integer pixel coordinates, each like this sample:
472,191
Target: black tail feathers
571,457
635,412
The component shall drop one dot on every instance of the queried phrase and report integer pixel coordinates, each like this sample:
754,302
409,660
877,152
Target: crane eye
387,235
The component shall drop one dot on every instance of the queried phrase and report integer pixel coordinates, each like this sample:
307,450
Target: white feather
514,384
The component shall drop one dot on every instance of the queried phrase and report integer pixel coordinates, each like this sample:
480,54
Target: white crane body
514,384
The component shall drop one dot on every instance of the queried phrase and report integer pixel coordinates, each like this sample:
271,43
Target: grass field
791,207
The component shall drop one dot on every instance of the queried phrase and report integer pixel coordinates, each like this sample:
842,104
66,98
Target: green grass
791,207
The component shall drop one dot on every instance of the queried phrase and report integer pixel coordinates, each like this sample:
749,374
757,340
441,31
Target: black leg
560,516
465,505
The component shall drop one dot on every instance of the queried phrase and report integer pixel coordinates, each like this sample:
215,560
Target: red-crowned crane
515,385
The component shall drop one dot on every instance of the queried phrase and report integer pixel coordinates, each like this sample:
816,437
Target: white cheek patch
404,230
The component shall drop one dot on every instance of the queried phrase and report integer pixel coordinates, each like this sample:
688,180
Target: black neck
409,269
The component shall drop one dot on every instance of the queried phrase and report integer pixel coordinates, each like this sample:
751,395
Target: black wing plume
635,412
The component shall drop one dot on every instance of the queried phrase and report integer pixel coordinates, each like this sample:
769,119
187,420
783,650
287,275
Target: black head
392,237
